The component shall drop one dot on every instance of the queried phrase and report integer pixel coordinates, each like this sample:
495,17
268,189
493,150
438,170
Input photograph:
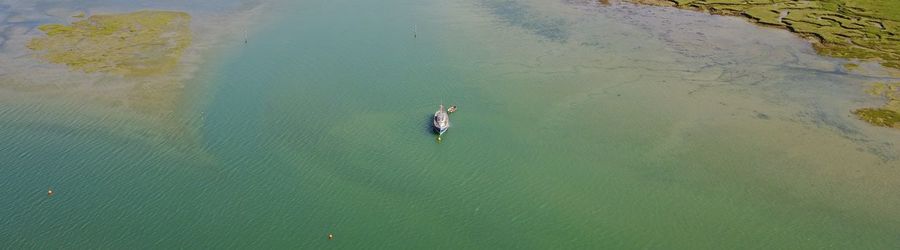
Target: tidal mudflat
852,29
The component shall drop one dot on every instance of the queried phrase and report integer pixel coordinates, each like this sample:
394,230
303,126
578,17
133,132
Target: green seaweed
133,44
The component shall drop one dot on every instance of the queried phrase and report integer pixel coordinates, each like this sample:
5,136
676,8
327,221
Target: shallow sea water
579,126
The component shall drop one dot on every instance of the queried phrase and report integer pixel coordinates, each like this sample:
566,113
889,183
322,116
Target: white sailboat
441,120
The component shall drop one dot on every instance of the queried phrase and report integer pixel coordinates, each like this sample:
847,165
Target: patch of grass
764,15
878,9
133,44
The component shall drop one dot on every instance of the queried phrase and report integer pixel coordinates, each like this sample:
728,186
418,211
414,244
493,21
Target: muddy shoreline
854,30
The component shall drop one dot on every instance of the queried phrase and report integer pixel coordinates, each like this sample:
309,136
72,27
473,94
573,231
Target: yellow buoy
330,236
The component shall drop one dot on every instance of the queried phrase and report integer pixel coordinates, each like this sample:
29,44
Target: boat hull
440,131
441,121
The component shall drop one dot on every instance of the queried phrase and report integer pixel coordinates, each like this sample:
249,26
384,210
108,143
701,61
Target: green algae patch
852,29
887,115
879,117
140,43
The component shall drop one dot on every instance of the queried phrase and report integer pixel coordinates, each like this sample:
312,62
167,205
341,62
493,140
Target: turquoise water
579,126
